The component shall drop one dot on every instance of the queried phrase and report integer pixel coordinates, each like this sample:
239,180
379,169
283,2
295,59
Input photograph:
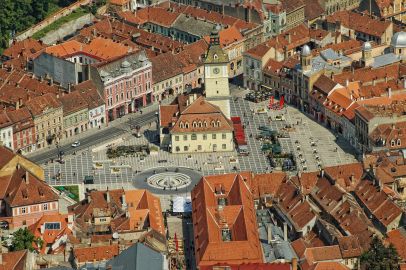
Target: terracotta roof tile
358,22
398,239
267,183
378,203
238,215
320,254
347,176
349,246
98,253
14,260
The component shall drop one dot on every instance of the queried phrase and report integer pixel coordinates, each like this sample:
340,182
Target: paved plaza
312,144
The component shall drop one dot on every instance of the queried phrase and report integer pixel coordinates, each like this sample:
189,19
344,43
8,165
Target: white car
76,144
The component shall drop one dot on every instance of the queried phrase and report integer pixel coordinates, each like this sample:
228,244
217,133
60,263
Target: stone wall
52,18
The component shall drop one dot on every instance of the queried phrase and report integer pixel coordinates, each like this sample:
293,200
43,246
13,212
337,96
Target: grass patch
72,191
58,23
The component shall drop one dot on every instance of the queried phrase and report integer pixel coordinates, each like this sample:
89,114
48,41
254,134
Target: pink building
126,83
24,136
24,199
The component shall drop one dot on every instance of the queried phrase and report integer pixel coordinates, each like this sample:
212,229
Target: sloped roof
238,215
138,257
22,188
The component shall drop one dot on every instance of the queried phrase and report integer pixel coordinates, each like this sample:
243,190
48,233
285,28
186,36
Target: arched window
200,124
187,125
205,124
194,124
399,142
181,125
218,123
392,143
213,124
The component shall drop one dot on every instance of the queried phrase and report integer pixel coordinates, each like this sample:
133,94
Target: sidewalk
117,123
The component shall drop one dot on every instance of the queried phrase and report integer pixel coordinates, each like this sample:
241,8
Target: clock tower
216,74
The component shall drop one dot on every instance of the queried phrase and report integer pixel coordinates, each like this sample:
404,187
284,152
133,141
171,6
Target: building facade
126,84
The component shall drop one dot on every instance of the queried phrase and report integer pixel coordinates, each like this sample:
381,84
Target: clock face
216,70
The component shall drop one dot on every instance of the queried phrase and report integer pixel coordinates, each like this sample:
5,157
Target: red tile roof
349,246
14,260
50,236
347,176
22,188
378,203
39,104
398,239
267,183
321,254
97,253
238,215
360,23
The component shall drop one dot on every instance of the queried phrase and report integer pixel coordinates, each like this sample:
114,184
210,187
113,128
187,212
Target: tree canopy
22,239
18,15
379,257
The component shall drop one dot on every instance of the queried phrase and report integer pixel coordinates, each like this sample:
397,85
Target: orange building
225,229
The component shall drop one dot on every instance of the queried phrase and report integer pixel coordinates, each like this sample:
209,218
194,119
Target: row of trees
18,15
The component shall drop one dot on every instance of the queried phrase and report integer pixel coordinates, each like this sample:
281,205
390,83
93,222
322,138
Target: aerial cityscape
203,134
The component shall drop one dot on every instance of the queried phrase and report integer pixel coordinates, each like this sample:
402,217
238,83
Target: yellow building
191,124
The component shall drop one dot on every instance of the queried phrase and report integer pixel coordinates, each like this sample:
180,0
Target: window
224,136
52,225
204,137
213,136
226,234
398,142
185,137
177,138
194,137
224,146
392,143
45,206
185,148
23,210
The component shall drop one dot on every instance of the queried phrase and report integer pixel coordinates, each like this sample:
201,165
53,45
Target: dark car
162,161
4,225
88,180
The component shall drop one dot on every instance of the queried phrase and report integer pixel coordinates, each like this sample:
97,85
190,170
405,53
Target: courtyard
312,145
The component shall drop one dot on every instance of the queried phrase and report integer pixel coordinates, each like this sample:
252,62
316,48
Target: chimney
269,233
389,92
51,82
322,173
108,196
288,37
27,177
294,264
69,88
347,82
285,231
123,201
352,178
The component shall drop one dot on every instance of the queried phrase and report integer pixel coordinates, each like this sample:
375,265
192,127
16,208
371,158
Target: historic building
195,123
125,83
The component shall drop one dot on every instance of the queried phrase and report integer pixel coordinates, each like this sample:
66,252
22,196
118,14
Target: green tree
22,239
379,257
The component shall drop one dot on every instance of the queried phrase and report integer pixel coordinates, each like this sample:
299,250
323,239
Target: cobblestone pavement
317,145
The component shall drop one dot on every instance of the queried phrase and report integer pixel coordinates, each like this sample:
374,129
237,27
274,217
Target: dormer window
392,143
213,124
218,123
215,56
200,124
205,124
187,125
181,125
226,234
194,124
399,142
222,201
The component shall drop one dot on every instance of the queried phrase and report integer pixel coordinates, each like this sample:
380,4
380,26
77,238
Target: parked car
88,180
4,225
76,144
